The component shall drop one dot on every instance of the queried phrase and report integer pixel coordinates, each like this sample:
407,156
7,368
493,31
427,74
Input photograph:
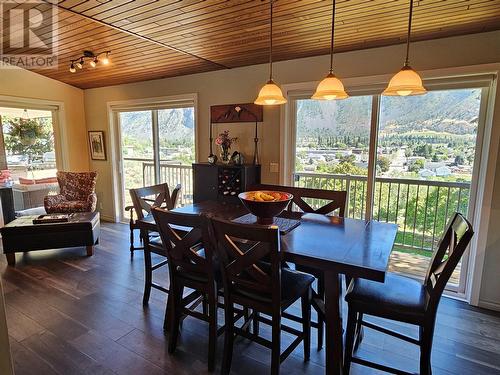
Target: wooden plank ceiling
152,39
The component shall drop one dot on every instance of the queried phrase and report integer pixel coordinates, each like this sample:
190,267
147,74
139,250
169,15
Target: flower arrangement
225,142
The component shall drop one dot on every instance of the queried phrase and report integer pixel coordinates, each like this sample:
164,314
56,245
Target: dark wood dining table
337,246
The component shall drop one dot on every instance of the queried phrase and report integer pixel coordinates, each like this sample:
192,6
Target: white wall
242,84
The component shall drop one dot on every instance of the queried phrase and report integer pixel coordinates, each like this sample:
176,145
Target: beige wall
242,85
28,85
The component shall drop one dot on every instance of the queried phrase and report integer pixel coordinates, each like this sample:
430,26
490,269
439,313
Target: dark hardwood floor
72,314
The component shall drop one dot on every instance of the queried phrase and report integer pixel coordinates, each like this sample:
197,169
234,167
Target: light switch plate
274,167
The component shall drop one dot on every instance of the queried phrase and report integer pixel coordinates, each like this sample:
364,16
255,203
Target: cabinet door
204,183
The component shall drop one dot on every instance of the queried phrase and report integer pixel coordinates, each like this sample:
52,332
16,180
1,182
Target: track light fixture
93,57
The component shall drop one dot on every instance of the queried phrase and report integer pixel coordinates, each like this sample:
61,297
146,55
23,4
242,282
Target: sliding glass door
405,160
156,146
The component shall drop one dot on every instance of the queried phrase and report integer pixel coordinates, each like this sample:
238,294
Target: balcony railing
172,174
421,208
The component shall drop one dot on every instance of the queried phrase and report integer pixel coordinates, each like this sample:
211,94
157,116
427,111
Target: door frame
113,108
482,187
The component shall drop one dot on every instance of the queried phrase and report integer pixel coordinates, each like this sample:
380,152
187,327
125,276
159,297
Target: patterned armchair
77,193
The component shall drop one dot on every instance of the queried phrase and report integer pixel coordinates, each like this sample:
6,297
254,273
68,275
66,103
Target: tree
417,166
459,160
30,137
383,163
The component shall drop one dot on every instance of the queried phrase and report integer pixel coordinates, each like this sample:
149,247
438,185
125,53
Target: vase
224,155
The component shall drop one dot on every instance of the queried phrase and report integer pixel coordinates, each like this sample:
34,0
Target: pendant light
407,81
270,93
330,87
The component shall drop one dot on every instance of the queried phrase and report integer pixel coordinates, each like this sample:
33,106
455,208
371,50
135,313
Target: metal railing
421,208
172,174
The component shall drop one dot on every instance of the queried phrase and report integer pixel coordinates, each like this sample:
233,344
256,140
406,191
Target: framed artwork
97,147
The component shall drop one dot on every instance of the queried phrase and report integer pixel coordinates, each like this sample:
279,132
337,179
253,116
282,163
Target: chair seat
293,286
398,297
201,277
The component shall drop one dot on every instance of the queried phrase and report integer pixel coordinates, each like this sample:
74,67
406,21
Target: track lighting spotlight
92,58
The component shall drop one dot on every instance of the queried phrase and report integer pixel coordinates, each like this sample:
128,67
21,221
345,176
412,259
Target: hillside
175,124
451,111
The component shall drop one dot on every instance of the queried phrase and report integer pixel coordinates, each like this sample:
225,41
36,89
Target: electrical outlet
274,167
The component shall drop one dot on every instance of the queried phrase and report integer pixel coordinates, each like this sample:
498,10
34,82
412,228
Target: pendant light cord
271,46
331,40
407,62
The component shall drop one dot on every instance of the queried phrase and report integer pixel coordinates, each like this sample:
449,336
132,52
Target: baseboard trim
110,219
489,305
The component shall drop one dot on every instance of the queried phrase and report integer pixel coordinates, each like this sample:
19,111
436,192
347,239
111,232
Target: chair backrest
451,247
250,258
145,198
184,236
335,199
76,186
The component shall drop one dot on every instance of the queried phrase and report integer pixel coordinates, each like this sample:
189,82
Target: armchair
77,193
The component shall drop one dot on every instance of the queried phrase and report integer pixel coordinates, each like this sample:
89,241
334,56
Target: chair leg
349,340
256,325
246,316
131,242
148,275
321,321
359,331
168,312
212,329
426,335
176,306
306,323
204,303
228,337
276,344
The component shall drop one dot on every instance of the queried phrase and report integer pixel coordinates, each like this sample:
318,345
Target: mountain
451,111
175,124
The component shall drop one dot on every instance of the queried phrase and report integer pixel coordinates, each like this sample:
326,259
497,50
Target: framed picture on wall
97,147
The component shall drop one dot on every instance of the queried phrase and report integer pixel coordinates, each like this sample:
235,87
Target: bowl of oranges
265,204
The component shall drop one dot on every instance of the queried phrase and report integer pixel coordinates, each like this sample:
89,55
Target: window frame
484,77
146,104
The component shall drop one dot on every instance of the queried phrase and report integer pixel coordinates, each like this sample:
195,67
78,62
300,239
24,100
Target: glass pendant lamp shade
330,88
405,82
270,94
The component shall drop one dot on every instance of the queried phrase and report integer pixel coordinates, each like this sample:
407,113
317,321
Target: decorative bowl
265,204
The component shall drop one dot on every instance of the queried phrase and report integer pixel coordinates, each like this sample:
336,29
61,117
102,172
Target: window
156,146
410,161
28,142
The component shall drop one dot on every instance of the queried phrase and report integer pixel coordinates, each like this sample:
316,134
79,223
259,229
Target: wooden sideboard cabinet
222,182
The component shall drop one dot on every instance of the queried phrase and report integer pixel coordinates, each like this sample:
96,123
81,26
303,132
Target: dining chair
137,213
252,277
406,300
143,200
329,201
191,265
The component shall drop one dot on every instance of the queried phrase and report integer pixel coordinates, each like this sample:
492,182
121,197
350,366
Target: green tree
30,137
459,160
417,166
383,163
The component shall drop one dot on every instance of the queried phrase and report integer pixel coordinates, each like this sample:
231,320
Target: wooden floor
69,314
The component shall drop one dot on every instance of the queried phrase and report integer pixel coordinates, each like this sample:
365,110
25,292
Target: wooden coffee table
21,235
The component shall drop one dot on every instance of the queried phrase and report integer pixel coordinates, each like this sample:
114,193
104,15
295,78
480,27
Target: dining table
337,246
